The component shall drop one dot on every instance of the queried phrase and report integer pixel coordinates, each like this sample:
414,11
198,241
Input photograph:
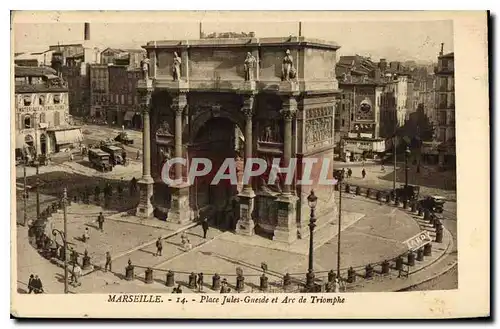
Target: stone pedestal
145,208
286,229
288,86
246,225
180,212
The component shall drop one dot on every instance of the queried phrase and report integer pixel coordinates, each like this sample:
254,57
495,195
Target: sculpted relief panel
319,127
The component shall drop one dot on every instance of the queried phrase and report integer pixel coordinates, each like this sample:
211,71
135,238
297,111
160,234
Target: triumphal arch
238,98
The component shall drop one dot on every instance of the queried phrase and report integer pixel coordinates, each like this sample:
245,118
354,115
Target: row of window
115,99
27,121
40,99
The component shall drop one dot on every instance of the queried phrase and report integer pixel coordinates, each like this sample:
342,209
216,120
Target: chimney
300,29
86,32
441,52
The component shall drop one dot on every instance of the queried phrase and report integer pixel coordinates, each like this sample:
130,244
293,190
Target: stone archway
216,138
43,144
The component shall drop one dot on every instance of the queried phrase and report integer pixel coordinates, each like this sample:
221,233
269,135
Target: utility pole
25,196
340,225
394,149
65,196
37,167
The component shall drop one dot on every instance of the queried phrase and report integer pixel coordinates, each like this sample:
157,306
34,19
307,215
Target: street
222,250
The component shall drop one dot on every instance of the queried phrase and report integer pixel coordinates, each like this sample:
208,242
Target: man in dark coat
37,285
204,225
108,262
100,221
30,283
159,247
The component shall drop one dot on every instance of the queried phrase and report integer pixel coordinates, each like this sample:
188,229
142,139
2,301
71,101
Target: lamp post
407,154
25,197
312,200
65,244
339,179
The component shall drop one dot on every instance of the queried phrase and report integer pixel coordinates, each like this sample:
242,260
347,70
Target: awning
68,136
128,115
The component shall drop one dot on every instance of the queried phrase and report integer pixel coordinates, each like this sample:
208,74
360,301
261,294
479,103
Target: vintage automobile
115,154
409,192
124,138
100,160
433,203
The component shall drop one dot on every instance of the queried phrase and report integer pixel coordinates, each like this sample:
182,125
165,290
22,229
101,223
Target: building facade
445,107
42,113
279,92
99,90
123,106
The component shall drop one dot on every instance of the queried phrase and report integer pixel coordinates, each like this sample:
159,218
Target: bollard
263,282
385,267
405,204
388,198
420,254
287,281
358,190
216,282
368,271
347,188
411,258
192,281
413,206
396,201
368,192
428,249
399,263
331,276
427,214
379,195
439,235
420,211
148,275
129,271
86,260
351,275
240,283
170,281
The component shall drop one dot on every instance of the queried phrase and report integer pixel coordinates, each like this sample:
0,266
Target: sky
393,40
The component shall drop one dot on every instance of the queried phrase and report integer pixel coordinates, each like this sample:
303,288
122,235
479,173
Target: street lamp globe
312,199
408,150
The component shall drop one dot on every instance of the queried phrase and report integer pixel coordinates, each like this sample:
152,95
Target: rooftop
243,41
449,55
34,71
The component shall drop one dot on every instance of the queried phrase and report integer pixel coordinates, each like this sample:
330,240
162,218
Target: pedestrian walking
382,169
75,275
200,282
159,247
138,157
30,283
336,285
349,172
100,221
108,262
37,285
70,156
86,235
204,225
363,173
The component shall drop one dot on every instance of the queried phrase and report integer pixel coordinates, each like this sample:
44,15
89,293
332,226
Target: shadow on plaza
53,184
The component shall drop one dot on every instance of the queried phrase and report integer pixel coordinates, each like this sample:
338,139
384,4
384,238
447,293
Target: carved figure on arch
288,71
145,67
164,129
177,67
249,67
